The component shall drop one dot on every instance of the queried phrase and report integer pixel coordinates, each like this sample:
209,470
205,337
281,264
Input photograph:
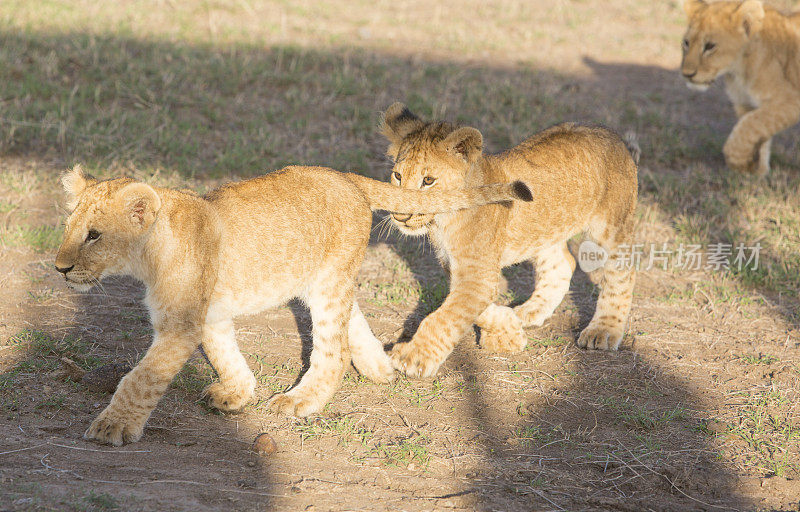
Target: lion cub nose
401,217
64,270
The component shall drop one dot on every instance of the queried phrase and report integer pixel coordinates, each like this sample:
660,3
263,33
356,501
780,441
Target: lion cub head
427,156
717,35
107,221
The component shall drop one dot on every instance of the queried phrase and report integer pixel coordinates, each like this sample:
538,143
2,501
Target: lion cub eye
92,235
709,46
428,181
397,176
685,44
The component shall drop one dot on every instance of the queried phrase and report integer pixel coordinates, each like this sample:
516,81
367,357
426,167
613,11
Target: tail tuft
632,143
522,191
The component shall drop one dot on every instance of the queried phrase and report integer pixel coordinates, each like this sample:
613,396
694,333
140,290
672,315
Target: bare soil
697,411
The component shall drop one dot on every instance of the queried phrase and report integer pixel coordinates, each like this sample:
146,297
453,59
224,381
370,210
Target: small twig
51,468
22,449
146,482
95,450
672,483
548,500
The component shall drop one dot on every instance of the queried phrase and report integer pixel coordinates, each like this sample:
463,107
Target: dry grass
700,407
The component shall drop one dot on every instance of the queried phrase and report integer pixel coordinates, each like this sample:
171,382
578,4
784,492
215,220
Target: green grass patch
531,435
346,428
43,351
39,238
556,341
766,423
641,417
418,393
100,501
404,452
758,359
194,377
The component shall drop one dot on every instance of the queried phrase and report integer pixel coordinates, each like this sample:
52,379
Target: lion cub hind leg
554,267
236,382
330,302
501,330
367,351
607,327
764,152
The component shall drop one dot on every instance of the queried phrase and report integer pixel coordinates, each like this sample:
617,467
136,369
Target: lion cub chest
739,92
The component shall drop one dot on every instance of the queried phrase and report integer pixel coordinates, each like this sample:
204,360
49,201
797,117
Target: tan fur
756,49
245,247
582,179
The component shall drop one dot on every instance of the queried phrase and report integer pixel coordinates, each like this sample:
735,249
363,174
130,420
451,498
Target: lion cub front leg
139,391
471,292
748,146
236,382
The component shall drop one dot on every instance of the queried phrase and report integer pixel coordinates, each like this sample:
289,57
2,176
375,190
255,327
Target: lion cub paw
505,339
415,363
532,317
111,427
743,163
504,336
225,399
599,337
377,369
298,404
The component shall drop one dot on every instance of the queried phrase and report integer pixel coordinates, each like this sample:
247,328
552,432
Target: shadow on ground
204,112
190,457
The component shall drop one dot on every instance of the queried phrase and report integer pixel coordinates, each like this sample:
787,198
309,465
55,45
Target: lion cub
243,248
583,178
757,50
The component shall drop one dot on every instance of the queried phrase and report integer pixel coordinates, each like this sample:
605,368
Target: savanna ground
697,411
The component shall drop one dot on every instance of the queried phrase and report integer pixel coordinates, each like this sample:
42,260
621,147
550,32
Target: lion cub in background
583,179
243,248
757,50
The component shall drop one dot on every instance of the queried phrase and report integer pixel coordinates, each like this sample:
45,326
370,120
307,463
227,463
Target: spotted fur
583,179
756,49
245,247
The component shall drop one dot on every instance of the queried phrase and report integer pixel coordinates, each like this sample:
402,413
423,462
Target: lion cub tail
631,141
383,196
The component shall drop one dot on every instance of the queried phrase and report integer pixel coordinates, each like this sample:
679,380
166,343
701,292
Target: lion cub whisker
584,179
240,249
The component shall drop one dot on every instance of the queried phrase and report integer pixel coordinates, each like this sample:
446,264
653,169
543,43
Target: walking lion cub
583,179
242,248
757,50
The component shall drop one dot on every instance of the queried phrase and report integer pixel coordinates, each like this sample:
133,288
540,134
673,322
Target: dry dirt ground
697,411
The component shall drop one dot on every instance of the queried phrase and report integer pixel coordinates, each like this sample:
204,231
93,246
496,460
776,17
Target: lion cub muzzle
414,224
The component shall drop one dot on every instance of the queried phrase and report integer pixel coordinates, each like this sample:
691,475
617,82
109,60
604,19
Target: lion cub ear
749,16
396,123
466,143
75,182
692,6
140,204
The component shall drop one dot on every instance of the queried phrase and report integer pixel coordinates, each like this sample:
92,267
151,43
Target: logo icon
591,256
